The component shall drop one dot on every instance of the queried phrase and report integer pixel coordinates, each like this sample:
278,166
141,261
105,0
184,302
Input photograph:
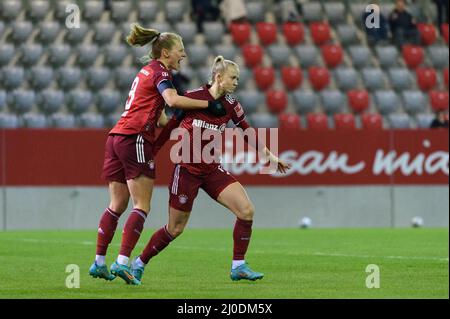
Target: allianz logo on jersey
209,126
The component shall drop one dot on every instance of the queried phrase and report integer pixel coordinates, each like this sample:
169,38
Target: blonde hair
140,36
220,66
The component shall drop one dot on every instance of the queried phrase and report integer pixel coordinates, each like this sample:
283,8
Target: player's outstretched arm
164,136
174,100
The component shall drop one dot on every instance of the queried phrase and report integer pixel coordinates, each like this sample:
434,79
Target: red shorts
184,186
127,157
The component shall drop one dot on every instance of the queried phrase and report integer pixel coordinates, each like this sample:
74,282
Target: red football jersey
144,104
203,120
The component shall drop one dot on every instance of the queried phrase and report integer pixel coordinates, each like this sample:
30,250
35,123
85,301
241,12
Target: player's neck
215,91
163,62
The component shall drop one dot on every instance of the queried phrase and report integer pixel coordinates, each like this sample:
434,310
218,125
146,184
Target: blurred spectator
375,35
107,5
403,26
441,120
287,10
442,10
204,10
233,11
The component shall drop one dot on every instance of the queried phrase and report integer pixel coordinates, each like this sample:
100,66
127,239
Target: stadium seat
138,54
399,121
413,55
413,101
40,77
332,100
93,11
229,52
317,121
174,10
387,56
400,78
2,28
147,11
439,100
68,78
21,30
204,74
347,34
30,54
124,77
444,29
263,120
197,55
292,77
2,99
279,54
10,9
346,78
304,101
76,36
276,101
12,77
426,78
335,12
7,53
114,55
188,31
111,119
312,11
424,120
438,56
244,75
104,32
289,121
319,77
50,101
344,121
63,120
267,32
253,54
332,55
92,120
294,33
358,100
255,11
79,101
250,100
360,56
240,32
34,120
264,77
307,55
60,10
87,54
23,100
8,120
213,32
373,78
97,78
120,11
38,10
445,77
357,10
372,121
428,34
48,32
387,101
58,55
320,32
161,26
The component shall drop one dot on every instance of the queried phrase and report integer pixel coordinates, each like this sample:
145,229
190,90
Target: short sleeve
237,111
163,80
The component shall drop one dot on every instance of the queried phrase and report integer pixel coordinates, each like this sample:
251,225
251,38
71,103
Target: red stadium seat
292,77
439,100
445,76
293,32
253,54
276,101
240,32
264,77
319,77
372,121
344,121
413,55
289,121
317,121
320,32
267,32
358,100
426,78
427,32
444,29
332,54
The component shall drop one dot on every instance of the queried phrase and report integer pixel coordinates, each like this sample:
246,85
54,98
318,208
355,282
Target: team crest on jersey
230,99
239,110
151,164
182,199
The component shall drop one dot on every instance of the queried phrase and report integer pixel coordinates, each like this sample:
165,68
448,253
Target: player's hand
216,108
282,167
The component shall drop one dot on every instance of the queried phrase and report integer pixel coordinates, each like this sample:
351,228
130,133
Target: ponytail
219,66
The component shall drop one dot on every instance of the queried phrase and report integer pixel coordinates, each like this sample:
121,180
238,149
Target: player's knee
175,231
247,212
119,208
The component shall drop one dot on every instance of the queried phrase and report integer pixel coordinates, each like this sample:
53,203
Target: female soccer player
211,177
128,166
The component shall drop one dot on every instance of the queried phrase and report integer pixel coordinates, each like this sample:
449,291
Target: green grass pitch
311,263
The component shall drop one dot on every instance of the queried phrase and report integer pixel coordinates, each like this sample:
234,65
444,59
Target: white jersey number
131,96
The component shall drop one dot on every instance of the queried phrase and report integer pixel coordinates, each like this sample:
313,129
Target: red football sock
106,230
241,236
132,231
158,242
